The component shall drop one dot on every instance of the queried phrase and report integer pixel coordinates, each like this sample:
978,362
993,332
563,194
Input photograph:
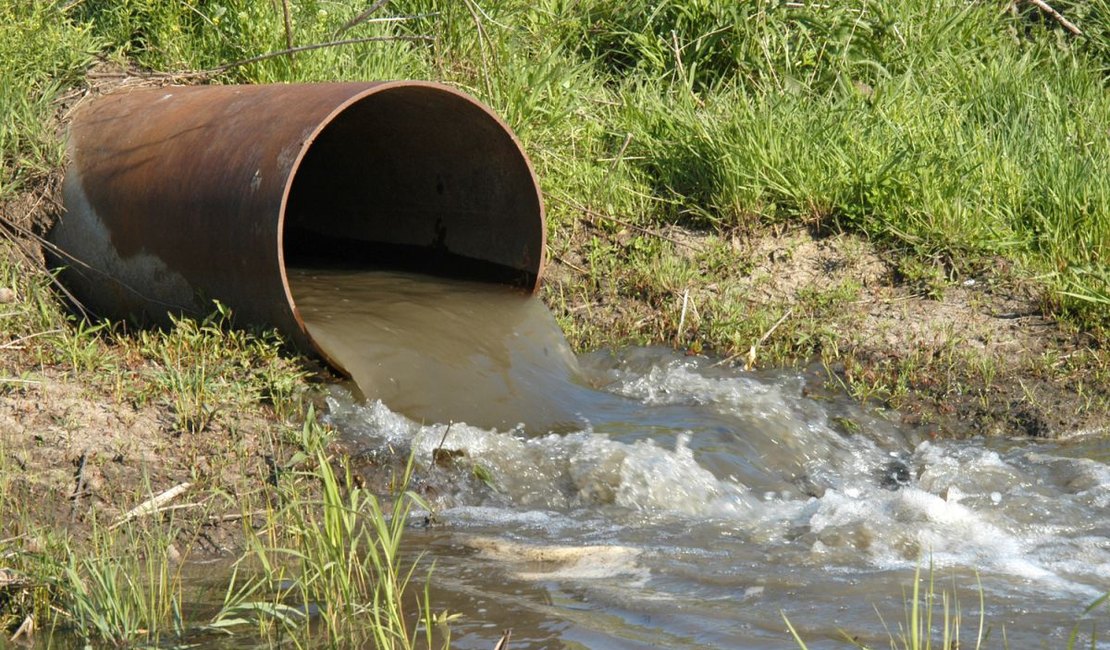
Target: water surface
661,501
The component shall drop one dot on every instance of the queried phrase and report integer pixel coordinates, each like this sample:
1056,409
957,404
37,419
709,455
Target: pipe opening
417,178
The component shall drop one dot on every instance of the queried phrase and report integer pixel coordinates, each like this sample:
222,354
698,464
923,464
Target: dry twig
79,489
306,48
752,350
288,27
26,629
682,318
362,17
14,233
153,504
572,265
18,343
621,222
1057,16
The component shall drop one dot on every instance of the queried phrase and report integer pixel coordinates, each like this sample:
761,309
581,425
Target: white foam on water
962,504
778,426
933,519
563,471
965,506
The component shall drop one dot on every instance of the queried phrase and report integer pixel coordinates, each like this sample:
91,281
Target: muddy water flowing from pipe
447,350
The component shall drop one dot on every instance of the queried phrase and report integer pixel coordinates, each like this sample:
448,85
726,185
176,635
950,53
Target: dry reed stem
153,504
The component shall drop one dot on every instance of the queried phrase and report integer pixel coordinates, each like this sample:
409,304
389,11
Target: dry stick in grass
607,217
26,630
436,453
17,343
682,318
620,154
483,46
288,29
14,230
571,265
79,489
236,516
218,70
1059,17
362,17
305,48
752,350
153,504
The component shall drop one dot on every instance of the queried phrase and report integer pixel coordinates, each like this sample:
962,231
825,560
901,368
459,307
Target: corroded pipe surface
177,196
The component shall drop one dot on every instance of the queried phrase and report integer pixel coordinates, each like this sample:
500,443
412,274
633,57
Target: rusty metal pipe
177,196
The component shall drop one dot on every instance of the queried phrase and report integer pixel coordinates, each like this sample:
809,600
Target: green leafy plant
339,558
919,629
124,594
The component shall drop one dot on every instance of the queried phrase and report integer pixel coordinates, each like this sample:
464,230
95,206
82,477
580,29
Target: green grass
321,564
955,136
339,556
126,589
206,367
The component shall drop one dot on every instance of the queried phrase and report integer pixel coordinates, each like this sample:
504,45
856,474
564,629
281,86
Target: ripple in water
655,499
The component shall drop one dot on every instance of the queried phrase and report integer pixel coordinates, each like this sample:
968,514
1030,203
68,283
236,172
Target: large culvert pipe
177,196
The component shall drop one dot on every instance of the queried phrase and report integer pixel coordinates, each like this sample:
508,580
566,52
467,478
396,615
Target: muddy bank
980,354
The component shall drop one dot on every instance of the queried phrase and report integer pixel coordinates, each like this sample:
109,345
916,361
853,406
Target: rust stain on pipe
181,195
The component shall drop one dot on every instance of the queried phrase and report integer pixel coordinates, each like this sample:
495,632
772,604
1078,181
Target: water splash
659,479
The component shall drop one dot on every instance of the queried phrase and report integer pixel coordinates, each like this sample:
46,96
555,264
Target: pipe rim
360,96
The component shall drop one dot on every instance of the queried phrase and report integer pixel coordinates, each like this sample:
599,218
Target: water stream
646,499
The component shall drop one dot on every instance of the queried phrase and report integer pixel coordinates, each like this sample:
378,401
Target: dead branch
621,222
1057,16
306,48
288,26
361,17
79,489
752,350
14,234
153,504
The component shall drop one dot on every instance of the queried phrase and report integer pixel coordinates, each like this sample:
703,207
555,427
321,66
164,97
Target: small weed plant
334,566
127,590
934,621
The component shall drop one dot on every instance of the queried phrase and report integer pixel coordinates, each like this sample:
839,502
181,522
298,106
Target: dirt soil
980,356
79,453
81,456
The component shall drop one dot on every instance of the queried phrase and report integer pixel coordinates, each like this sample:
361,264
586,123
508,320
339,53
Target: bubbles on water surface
831,493
721,486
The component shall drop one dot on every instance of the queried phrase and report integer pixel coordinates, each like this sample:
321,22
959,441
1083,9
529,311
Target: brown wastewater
639,498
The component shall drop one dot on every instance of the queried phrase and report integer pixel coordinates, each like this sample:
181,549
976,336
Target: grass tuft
335,563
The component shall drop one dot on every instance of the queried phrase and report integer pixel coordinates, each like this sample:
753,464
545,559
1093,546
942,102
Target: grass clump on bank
332,566
320,564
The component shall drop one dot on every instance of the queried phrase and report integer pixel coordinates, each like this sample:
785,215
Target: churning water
655,500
